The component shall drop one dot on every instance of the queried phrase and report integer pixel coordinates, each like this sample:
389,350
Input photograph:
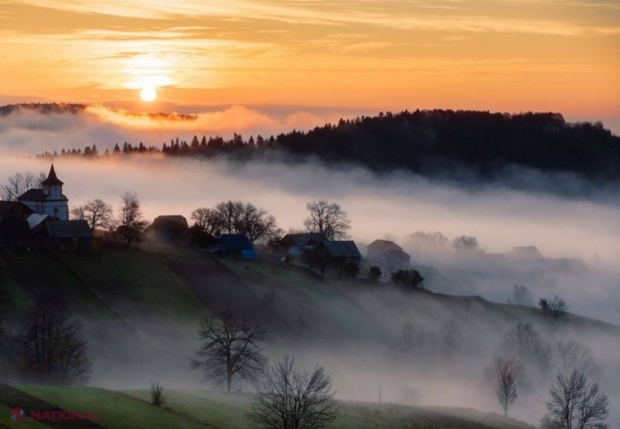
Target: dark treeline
425,142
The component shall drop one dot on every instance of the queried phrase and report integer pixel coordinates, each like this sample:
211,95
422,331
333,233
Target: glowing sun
148,94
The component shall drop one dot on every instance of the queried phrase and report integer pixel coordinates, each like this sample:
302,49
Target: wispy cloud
390,14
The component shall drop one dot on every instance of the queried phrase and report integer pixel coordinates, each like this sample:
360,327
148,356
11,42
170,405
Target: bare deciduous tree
56,351
504,374
408,279
465,243
319,257
97,213
208,220
237,217
450,337
131,224
422,240
230,348
521,295
19,183
574,356
327,219
524,342
293,399
577,404
157,394
555,309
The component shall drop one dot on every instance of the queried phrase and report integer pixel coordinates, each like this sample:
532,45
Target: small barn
236,246
68,235
295,245
378,247
342,251
388,255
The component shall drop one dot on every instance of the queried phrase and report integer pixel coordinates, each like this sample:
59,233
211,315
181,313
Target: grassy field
117,275
199,409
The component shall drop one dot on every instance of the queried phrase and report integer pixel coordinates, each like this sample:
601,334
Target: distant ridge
432,143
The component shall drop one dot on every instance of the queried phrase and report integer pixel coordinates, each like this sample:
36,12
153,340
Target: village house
234,246
68,235
388,256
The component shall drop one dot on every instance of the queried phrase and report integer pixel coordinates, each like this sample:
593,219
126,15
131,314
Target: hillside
195,409
140,310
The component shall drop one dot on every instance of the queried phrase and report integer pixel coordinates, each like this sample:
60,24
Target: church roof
52,179
32,195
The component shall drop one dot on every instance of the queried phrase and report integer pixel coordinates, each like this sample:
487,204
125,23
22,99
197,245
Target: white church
49,199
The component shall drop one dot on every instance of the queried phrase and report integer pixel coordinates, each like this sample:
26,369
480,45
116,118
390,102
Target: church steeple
52,186
52,179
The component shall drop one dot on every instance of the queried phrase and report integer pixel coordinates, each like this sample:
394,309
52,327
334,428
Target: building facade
49,199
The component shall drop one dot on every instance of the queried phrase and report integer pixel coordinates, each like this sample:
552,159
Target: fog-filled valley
429,347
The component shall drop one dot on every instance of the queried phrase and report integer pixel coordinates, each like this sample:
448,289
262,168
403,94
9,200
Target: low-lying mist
579,237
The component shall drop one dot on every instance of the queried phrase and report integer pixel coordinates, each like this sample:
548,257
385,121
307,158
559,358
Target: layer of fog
397,205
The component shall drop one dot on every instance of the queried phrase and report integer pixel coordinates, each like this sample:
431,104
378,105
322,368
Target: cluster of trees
19,183
426,344
287,398
50,349
576,400
128,226
236,217
430,142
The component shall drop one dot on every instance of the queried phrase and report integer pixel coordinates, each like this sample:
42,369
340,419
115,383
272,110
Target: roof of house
342,249
303,239
178,219
526,252
33,194
36,219
52,179
14,207
395,253
235,242
14,230
68,229
382,245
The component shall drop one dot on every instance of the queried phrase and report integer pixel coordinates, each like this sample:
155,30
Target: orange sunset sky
506,55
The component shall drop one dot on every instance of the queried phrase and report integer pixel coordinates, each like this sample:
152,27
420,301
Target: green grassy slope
205,409
115,409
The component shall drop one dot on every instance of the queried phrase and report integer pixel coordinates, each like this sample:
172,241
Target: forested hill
438,141
429,142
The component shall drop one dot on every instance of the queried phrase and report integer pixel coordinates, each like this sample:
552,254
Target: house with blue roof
234,246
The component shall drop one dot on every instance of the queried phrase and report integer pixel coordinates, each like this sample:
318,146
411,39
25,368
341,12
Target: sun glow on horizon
148,94
147,73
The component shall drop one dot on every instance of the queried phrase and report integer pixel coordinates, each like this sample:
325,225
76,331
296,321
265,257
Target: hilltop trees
555,309
293,399
131,224
55,350
97,213
206,220
236,217
230,348
327,219
408,279
19,183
